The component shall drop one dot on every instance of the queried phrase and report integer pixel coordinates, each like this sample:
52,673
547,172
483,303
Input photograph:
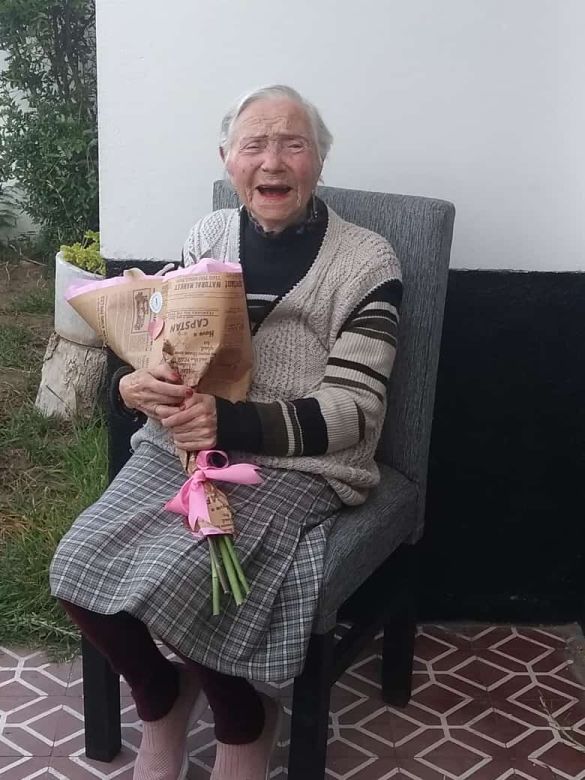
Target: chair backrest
420,230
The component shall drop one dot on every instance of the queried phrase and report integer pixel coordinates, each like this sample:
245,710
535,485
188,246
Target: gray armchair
370,557
369,562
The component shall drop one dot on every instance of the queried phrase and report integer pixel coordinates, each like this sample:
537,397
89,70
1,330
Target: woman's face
273,162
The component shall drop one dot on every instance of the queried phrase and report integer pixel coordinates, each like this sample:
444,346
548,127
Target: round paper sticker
156,302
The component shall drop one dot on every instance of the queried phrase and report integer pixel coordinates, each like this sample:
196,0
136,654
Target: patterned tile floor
489,703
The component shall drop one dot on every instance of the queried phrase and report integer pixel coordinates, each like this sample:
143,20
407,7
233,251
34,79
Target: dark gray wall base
505,533
505,529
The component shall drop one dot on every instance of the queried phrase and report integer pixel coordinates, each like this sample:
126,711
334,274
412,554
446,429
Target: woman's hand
194,426
153,391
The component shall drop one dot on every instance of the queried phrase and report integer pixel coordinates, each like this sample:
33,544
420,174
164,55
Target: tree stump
72,379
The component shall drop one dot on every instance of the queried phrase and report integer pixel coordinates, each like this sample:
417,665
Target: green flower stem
234,556
217,563
231,572
215,598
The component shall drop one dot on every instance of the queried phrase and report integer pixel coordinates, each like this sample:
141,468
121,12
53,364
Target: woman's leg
165,697
238,711
247,724
130,649
127,644
247,729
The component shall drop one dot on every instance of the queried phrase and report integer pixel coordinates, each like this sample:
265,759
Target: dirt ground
22,285
18,282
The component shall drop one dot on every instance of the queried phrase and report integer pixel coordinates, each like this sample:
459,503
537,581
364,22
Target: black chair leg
101,705
398,652
310,712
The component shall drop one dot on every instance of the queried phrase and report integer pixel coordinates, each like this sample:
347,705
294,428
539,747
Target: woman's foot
250,761
163,750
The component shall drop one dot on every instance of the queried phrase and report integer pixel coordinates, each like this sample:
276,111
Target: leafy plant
86,254
48,115
7,215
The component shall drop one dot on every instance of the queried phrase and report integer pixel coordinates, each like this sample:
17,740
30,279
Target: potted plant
79,262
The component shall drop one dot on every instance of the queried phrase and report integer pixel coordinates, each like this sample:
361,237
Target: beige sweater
298,351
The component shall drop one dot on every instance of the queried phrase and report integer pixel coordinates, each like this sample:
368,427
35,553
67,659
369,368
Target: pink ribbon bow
191,502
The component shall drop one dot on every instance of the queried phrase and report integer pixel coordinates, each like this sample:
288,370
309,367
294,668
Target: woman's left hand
194,426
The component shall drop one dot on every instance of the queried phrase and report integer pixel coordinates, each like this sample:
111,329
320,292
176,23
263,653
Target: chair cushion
362,538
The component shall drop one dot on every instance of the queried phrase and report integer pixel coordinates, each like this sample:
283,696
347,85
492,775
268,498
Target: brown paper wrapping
201,327
195,321
220,514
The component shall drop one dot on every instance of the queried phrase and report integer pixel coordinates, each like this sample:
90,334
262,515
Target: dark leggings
127,644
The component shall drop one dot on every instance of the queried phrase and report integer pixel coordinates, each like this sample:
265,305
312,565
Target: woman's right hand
153,391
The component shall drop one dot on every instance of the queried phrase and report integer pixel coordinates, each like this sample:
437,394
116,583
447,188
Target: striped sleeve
349,401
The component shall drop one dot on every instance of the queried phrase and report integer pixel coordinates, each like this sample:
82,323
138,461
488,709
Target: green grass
51,470
17,347
55,470
39,301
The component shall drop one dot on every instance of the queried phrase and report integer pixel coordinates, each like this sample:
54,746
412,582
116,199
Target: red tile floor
489,703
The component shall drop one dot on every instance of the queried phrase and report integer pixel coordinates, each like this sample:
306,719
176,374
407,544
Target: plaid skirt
127,553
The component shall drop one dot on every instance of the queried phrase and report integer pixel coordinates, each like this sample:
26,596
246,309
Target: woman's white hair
322,137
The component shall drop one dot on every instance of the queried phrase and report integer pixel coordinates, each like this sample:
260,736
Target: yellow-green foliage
86,254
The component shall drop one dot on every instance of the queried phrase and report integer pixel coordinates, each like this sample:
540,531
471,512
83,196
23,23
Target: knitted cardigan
298,352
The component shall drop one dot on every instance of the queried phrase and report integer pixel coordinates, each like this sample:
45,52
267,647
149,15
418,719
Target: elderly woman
323,298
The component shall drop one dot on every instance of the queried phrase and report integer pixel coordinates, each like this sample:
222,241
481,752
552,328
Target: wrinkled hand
194,426
154,391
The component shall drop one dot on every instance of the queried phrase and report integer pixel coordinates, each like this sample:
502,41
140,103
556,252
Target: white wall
476,101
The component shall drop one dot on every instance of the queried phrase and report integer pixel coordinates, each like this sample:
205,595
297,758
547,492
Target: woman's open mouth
274,191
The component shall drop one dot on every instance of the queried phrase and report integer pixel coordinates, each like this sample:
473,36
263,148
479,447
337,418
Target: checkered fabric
127,553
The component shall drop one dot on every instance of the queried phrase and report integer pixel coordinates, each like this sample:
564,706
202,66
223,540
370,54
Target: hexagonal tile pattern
488,703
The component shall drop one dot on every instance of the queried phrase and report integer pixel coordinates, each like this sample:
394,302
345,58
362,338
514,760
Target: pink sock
163,750
250,761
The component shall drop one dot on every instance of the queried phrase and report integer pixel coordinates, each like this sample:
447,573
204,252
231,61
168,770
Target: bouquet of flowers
207,514
196,320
